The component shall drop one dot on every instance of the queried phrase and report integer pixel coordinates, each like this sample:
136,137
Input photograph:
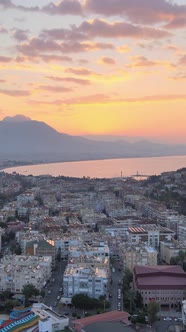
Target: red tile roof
110,316
160,277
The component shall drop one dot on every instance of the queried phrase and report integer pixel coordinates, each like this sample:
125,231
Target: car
167,318
179,319
55,304
119,296
119,306
58,297
61,289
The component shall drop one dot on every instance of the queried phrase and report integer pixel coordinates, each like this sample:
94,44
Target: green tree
29,290
152,311
138,300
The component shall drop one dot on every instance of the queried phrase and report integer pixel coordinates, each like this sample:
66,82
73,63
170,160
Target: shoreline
23,164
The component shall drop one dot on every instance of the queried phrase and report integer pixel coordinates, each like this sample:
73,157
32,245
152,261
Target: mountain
24,139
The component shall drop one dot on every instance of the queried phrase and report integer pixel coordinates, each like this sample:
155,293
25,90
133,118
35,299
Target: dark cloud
80,71
64,7
35,46
143,11
177,23
20,35
69,79
108,61
5,59
53,57
7,4
57,89
141,61
15,93
101,28
182,60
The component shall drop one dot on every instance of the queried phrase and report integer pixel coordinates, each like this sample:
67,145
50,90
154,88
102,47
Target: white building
49,320
140,254
17,271
89,280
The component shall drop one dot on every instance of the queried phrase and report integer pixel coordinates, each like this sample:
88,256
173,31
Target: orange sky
96,67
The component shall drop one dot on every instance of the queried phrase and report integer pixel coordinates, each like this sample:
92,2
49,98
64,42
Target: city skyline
109,67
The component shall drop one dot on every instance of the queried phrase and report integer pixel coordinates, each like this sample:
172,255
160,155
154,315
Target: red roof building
165,284
112,316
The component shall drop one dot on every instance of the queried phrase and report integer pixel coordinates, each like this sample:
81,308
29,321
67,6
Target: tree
152,311
138,300
29,290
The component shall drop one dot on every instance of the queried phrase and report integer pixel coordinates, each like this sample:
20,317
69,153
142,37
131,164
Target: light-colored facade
139,255
49,320
17,271
171,249
89,280
184,312
152,234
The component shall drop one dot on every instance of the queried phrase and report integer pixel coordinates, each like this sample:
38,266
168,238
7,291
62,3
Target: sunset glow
113,67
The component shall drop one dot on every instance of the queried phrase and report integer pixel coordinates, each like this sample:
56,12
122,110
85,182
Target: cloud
182,60
143,11
107,61
80,71
20,34
105,99
57,89
5,59
3,30
177,23
7,4
36,45
15,93
179,76
53,57
64,7
123,49
101,28
141,61
69,79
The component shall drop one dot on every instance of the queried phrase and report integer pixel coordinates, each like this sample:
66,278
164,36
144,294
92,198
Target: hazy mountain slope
34,140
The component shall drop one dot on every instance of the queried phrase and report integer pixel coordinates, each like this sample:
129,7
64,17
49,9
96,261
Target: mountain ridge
37,141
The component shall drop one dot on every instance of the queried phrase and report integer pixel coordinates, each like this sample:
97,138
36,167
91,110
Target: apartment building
151,234
170,249
137,255
17,271
89,280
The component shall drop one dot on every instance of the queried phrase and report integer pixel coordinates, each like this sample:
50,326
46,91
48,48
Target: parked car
167,318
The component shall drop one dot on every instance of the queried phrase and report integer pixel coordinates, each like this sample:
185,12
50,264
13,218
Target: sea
107,168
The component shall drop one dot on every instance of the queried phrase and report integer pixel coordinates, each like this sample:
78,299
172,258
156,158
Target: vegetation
153,309
85,302
180,259
29,290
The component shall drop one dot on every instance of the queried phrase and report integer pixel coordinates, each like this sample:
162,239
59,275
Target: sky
96,67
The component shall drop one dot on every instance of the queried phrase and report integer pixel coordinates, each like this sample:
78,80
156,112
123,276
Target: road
54,286
116,276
